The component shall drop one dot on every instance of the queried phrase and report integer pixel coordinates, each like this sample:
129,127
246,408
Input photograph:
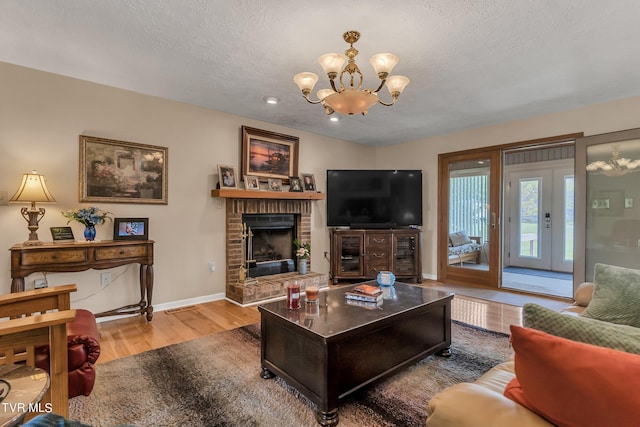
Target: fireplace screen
269,243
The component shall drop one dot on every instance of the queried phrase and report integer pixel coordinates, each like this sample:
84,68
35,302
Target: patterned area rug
215,381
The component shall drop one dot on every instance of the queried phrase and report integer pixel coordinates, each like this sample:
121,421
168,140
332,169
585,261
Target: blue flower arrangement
87,216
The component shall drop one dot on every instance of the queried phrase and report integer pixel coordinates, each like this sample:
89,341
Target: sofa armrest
469,404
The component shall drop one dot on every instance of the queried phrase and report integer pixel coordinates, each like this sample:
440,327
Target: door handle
493,220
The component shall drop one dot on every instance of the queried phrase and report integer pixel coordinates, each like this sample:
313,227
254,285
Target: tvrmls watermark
16,407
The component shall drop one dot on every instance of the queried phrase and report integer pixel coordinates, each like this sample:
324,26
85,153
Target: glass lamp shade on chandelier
615,166
351,99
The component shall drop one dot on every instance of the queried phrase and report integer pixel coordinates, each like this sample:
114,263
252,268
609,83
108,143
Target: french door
469,205
539,216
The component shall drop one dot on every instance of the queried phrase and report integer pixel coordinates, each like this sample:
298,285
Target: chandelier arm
333,85
310,101
395,98
381,86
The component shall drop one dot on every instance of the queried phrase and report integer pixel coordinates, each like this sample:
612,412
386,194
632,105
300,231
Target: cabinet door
350,249
406,256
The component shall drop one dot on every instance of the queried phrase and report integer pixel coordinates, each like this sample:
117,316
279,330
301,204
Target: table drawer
53,257
121,252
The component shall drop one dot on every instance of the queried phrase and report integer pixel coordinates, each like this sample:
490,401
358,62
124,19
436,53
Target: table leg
149,287
328,418
266,374
17,284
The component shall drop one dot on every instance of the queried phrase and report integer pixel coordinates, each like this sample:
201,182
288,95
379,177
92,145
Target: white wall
41,116
423,154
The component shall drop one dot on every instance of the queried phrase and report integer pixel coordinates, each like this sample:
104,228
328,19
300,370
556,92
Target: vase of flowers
90,217
303,251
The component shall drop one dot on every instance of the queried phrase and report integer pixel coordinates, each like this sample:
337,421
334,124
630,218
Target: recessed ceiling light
334,119
271,100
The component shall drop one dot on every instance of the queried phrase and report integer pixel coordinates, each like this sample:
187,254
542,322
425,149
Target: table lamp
32,189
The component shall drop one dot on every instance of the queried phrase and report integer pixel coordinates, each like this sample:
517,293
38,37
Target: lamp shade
33,189
306,81
332,62
396,84
383,62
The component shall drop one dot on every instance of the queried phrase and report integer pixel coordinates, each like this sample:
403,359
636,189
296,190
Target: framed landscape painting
122,172
269,155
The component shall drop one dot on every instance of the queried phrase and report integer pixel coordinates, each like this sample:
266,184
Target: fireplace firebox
269,245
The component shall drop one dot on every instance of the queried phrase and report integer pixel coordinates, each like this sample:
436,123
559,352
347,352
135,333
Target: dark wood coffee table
331,352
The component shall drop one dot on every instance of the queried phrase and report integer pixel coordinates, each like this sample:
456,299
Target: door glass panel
569,183
469,213
529,217
612,205
350,254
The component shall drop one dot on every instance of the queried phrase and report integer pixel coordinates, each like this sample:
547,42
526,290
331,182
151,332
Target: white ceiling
471,63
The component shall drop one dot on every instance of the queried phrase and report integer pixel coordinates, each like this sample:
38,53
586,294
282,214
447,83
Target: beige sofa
482,402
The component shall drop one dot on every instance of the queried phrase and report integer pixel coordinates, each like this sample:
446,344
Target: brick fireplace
270,286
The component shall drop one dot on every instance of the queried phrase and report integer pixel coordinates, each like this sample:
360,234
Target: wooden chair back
34,318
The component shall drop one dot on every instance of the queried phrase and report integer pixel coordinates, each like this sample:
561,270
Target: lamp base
33,243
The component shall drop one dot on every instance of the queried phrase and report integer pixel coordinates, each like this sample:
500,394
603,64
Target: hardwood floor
133,335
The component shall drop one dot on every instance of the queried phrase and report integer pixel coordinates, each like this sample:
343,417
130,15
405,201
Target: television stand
362,254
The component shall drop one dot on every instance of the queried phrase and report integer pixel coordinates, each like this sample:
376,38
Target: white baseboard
429,276
169,305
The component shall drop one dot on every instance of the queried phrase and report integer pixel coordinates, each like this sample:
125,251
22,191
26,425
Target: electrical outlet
40,283
105,278
212,266
4,197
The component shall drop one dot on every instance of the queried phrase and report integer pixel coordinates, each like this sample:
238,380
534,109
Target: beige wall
423,154
41,116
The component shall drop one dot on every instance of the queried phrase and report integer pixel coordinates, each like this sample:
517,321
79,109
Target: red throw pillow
570,383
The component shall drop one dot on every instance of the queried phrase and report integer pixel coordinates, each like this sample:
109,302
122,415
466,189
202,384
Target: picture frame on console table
268,154
62,234
131,229
115,171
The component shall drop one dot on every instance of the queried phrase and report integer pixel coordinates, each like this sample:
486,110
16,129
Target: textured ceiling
471,63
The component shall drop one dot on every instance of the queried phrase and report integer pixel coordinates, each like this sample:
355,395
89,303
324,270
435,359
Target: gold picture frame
268,154
115,171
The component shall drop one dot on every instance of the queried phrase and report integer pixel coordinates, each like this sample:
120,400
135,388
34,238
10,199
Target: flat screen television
374,198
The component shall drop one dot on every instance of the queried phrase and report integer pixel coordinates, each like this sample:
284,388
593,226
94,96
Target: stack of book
364,293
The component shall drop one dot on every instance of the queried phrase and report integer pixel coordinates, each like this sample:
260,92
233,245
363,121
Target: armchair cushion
83,341
616,295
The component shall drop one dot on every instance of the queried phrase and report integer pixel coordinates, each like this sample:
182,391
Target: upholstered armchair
82,339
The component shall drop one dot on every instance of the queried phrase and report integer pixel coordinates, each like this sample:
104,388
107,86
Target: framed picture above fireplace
268,154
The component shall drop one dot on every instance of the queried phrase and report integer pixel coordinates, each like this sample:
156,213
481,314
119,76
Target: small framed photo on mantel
308,182
274,184
228,177
295,184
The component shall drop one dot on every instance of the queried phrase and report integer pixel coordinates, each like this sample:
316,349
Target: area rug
215,381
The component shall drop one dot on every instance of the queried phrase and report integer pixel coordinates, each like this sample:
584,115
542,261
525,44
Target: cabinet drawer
374,269
378,240
53,257
377,255
121,252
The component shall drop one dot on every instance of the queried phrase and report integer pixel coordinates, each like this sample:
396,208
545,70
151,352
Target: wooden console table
81,256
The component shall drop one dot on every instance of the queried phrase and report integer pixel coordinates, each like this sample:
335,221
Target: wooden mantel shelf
249,194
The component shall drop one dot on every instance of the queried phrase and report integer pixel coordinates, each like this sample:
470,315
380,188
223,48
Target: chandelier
615,166
351,99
